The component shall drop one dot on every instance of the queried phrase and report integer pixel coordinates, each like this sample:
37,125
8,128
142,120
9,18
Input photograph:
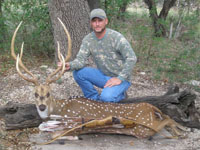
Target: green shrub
35,30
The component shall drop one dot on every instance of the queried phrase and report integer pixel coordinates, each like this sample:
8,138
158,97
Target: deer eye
48,94
36,95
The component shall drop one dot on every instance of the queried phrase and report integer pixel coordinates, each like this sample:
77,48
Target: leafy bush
35,30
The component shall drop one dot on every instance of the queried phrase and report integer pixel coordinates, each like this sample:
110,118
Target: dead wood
19,115
180,106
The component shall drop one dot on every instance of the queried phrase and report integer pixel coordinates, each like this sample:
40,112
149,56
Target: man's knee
78,74
108,97
81,73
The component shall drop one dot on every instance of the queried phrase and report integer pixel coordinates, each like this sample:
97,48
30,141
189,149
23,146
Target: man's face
98,24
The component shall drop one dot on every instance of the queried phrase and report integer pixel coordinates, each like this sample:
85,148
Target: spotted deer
84,115
44,101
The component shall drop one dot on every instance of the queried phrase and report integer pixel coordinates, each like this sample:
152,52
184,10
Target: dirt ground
13,88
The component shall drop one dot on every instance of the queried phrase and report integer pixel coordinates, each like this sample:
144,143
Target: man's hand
112,82
67,65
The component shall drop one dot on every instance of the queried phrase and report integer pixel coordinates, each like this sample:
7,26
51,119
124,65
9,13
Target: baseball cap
99,13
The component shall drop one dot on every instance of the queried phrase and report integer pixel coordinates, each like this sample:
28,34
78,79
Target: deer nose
42,107
41,97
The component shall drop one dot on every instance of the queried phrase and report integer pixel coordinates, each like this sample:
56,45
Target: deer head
42,91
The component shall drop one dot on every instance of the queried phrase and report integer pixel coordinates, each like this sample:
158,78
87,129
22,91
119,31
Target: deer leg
102,122
90,124
173,126
177,128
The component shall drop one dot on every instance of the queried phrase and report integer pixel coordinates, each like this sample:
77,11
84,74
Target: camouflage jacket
112,54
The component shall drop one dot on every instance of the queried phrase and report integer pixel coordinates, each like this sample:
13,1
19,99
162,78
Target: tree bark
75,15
158,20
19,116
167,5
93,4
180,106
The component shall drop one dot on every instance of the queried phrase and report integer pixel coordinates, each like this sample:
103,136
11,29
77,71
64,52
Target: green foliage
116,8
35,30
173,60
193,31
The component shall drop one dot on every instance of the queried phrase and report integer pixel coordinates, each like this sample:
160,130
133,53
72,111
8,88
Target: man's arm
129,56
81,59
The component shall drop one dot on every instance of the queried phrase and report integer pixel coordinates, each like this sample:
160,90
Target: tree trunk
159,29
158,21
19,116
180,106
93,4
75,15
167,5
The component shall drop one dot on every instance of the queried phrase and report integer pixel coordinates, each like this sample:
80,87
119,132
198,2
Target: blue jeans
89,77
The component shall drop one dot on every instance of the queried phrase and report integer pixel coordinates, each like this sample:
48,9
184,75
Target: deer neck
52,106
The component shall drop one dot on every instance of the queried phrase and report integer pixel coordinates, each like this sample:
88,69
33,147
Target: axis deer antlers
42,91
86,116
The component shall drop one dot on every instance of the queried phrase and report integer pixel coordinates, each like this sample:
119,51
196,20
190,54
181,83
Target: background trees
75,15
159,20
165,34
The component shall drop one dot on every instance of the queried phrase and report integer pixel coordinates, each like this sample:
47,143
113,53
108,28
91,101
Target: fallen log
180,106
19,115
